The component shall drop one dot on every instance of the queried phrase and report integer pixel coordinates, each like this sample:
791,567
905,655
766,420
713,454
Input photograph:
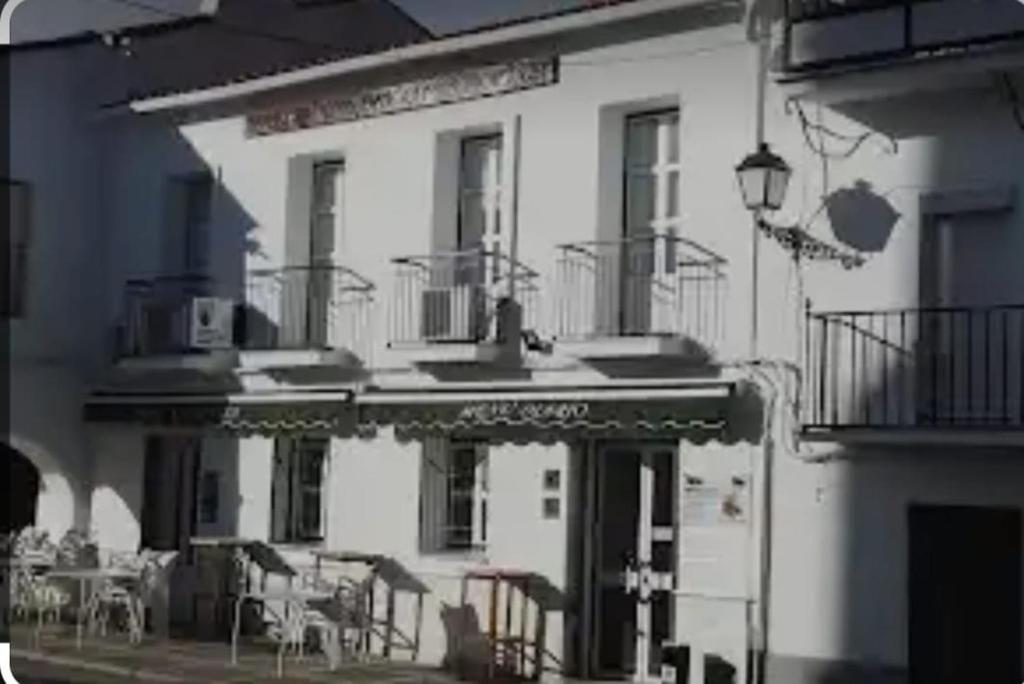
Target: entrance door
634,555
169,514
168,504
965,595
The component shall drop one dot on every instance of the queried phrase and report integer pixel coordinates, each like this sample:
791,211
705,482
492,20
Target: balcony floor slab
639,347
285,359
213,362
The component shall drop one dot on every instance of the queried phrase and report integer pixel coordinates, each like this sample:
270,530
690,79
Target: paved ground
111,660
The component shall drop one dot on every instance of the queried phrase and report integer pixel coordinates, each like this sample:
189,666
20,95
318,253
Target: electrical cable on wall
1014,99
854,141
231,28
295,40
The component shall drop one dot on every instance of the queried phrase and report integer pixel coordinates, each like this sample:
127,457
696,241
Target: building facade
484,303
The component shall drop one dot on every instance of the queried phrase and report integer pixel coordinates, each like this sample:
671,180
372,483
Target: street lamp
763,177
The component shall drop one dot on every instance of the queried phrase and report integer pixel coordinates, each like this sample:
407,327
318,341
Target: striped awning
266,416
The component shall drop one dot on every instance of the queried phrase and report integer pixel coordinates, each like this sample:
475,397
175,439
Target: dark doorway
23,492
965,595
168,499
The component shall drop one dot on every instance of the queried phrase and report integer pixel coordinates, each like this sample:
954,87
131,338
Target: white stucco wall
840,571
837,531
117,488
46,427
59,346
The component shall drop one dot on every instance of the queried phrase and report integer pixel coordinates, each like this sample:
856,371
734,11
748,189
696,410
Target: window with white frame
651,216
453,495
298,501
327,211
18,239
479,217
652,172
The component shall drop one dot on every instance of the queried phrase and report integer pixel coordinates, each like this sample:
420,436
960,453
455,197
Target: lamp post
763,178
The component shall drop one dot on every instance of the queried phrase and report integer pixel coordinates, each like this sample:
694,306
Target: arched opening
23,490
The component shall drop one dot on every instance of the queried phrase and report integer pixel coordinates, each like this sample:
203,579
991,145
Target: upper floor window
652,173
453,496
187,236
327,211
298,501
479,218
18,242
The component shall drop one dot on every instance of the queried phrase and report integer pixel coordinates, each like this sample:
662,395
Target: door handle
631,571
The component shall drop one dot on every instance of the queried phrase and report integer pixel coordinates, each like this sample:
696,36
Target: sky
39,19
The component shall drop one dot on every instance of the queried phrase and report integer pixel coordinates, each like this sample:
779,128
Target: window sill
453,556
312,545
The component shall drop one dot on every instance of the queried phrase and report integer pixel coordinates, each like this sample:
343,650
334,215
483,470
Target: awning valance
698,413
270,417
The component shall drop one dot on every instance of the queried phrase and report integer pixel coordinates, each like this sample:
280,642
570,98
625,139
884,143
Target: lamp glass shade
763,178
775,188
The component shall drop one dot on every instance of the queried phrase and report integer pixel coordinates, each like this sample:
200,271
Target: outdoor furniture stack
47,578
506,647
223,566
294,611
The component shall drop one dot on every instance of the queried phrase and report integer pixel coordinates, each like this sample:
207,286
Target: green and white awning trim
697,412
272,415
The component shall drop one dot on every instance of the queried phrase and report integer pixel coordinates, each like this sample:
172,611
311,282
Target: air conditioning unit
453,314
211,323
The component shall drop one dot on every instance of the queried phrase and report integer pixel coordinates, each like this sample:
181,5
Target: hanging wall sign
542,419
515,412
442,89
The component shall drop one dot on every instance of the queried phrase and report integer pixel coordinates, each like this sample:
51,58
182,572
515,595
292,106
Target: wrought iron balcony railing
156,319
915,368
295,307
825,33
307,307
456,296
644,286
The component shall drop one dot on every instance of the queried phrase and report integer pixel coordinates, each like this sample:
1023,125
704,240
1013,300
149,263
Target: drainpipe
762,27
763,616
514,207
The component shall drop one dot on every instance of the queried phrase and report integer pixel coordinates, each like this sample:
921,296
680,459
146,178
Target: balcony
825,34
160,328
306,317
289,318
461,307
935,369
649,297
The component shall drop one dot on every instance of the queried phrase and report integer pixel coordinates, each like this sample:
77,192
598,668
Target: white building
485,302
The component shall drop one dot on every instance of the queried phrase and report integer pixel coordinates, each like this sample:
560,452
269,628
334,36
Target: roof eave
436,48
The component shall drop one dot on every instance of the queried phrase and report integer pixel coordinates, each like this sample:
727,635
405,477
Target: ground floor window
453,495
297,497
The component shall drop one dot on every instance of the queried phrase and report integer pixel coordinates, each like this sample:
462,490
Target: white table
129,579
296,601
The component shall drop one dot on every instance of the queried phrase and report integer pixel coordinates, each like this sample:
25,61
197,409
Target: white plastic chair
113,595
155,589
